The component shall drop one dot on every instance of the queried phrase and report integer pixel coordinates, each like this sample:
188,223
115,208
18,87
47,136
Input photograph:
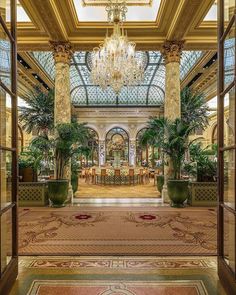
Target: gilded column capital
172,51
62,51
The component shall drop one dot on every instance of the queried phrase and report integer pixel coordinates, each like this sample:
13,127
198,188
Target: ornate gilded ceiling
148,25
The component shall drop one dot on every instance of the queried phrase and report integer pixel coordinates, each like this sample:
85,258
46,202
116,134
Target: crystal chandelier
114,62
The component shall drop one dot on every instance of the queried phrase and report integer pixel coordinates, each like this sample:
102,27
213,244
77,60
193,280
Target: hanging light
114,62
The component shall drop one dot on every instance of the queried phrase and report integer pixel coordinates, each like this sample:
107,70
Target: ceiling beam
186,14
48,17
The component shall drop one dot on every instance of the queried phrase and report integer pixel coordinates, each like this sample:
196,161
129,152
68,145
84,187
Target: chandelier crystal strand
114,62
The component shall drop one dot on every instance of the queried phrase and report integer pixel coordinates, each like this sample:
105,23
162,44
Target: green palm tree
70,141
194,108
38,115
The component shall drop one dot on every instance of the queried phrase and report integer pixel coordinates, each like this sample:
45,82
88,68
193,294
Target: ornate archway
117,141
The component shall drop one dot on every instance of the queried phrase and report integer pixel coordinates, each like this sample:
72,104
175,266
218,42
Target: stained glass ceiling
149,93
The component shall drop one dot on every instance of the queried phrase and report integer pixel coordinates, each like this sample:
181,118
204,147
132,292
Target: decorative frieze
172,51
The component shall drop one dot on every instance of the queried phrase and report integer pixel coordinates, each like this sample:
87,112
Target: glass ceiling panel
150,93
46,61
188,60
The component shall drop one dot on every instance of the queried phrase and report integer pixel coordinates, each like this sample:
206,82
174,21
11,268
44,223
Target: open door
8,146
226,145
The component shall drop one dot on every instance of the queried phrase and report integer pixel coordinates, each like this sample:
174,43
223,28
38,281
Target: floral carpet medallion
117,288
50,224
117,231
181,226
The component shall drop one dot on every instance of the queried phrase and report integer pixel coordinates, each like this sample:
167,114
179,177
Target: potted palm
202,166
69,139
175,145
29,164
171,137
37,117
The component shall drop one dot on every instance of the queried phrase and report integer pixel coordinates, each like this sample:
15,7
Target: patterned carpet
86,190
117,231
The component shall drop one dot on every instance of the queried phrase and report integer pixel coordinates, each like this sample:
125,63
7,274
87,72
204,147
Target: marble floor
89,190
117,275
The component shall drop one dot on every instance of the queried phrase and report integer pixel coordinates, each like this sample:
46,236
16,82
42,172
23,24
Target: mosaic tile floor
117,275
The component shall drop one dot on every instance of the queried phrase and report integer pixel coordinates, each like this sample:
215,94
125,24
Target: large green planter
160,182
58,192
178,192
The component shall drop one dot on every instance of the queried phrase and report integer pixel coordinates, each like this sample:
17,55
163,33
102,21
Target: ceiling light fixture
114,62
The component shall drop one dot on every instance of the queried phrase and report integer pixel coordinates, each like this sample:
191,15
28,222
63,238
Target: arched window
117,139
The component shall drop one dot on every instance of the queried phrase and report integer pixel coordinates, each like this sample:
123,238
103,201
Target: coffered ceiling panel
142,11
22,15
212,13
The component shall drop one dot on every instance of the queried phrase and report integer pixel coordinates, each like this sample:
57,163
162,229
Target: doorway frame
226,274
10,272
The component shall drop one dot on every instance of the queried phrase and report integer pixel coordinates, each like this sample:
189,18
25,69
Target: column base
164,195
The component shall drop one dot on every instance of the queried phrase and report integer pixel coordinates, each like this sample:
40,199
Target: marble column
171,52
102,152
62,53
132,152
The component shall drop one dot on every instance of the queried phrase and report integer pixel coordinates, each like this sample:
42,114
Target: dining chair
103,175
131,176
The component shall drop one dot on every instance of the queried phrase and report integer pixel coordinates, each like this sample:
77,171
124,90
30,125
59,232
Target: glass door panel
229,239
229,56
229,178
8,147
6,239
229,117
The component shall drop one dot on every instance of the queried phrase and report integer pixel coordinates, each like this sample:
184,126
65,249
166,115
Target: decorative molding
62,51
172,51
